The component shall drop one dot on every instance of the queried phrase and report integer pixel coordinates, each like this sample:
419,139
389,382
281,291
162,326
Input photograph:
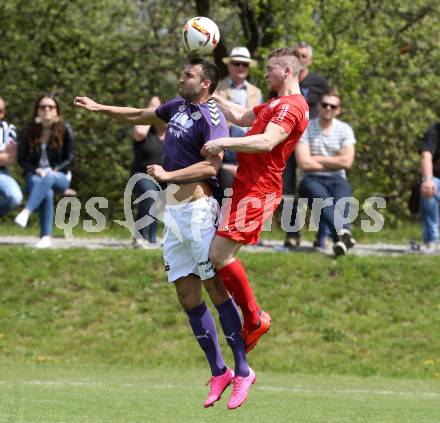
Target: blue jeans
10,193
317,186
429,213
147,208
41,196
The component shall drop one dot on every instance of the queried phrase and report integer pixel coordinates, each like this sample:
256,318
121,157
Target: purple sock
231,324
203,326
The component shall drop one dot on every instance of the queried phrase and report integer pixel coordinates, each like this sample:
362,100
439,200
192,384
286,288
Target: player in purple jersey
193,119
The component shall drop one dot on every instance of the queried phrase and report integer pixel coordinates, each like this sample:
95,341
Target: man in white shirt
324,153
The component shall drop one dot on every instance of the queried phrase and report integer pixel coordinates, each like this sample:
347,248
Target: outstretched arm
128,115
235,113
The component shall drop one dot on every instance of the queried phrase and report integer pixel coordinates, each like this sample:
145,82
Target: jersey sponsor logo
182,108
179,123
274,103
283,112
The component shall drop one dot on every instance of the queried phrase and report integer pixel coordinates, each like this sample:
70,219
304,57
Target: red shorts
242,216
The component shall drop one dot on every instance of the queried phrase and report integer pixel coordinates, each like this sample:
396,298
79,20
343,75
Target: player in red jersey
277,126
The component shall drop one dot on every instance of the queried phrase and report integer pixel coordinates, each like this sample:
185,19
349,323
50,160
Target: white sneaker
22,218
44,242
430,248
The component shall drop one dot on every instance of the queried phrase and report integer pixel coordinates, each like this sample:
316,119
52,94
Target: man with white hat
235,87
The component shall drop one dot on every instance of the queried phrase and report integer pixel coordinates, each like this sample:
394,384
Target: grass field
119,394
98,336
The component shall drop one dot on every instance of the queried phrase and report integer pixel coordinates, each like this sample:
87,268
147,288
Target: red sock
236,282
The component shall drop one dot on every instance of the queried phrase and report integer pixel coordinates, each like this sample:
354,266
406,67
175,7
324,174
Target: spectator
45,152
10,193
313,86
324,153
236,88
147,149
430,187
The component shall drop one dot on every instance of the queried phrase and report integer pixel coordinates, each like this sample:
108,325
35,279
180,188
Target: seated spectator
147,149
325,152
45,152
313,85
430,187
10,192
236,88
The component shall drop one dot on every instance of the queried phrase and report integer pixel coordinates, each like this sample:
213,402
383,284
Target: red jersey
263,171
257,186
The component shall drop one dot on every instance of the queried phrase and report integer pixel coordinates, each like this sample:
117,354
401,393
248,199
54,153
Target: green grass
98,394
357,316
98,336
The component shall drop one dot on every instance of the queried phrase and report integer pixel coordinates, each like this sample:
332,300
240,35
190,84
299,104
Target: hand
86,103
212,148
158,173
428,188
42,172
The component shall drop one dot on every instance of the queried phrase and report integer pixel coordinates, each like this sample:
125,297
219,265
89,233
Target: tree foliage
382,57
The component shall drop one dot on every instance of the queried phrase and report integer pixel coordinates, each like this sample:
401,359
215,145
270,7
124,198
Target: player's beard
189,93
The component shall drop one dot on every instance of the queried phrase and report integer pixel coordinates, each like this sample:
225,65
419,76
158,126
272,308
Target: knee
16,199
217,291
217,256
188,301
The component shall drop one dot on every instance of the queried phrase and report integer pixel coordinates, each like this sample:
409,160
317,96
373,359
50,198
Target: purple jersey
190,126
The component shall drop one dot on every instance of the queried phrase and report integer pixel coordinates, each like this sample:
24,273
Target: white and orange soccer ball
200,35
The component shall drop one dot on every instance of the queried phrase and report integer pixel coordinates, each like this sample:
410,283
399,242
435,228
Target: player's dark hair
210,71
332,92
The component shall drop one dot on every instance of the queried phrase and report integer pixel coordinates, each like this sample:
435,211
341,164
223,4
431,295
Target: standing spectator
430,188
45,152
147,149
10,193
236,88
313,85
324,153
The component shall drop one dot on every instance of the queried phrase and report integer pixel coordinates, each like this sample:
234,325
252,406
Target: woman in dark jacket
147,149
45,152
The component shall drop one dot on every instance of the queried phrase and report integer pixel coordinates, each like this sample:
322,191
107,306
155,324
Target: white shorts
189,231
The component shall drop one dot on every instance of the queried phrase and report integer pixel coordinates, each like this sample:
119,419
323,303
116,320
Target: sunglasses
327,105
238,64
46,106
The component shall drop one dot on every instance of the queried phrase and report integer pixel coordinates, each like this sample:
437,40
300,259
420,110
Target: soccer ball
200,35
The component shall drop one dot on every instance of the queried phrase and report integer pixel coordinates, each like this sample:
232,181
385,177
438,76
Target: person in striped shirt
325,152
10,192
